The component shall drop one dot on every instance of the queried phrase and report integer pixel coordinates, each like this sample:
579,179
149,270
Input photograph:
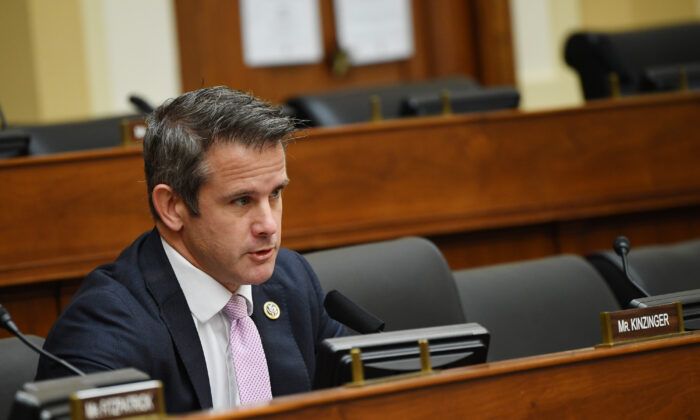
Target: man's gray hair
181,131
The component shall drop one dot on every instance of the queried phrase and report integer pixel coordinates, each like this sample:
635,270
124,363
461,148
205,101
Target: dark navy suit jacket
132,313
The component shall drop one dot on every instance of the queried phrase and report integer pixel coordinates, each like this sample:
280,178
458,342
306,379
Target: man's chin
260,273
255,268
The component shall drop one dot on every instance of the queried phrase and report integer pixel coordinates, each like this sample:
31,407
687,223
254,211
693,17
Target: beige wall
59,59
43,72
132,49
625,14
18,95
539,30
74,59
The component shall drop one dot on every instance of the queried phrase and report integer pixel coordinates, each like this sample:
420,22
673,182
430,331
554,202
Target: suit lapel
164,287
286,365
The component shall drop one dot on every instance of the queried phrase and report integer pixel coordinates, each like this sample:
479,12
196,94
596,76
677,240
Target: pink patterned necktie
247,351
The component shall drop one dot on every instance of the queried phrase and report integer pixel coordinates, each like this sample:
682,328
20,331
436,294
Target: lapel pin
271,309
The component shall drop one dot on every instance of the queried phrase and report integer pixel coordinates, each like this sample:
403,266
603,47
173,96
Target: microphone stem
624,265
10,326
41,351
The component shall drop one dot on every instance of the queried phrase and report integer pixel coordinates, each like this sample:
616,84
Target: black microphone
347,312
622,245
141,104
7,323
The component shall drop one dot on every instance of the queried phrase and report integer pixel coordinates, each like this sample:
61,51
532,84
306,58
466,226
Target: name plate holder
635,325
358,374
139,400
133,131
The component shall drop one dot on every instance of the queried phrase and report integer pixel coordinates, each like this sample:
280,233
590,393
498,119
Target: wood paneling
657,379
645,228
494,246
451,44
33,309
468,37
468,173
495,56
67,213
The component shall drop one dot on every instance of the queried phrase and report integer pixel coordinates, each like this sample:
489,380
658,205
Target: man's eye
241,201
276,193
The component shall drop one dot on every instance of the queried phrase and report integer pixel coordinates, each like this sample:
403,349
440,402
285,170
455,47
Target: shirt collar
205,296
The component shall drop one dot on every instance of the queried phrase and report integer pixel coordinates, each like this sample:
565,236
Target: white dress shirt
206,298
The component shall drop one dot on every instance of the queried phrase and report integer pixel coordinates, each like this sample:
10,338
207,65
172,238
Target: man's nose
265,223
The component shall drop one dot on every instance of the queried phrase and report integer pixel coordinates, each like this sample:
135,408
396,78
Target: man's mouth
262,254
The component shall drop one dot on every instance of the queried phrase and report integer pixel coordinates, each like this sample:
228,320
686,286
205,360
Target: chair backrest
654,270
72,136
461,102
18,366
636,56
13,143
536,307
354,105
405,282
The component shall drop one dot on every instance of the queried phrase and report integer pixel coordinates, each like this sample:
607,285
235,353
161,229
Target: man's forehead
233,161
252,147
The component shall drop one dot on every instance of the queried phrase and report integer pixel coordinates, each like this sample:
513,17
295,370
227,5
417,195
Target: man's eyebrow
238,194
283,184
244,193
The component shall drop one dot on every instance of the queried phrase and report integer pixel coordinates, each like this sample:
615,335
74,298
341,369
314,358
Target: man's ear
169,206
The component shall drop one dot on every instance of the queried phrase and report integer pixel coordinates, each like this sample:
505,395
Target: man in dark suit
215,169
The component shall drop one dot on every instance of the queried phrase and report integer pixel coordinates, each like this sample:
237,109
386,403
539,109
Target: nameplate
133,131
641,324
143,400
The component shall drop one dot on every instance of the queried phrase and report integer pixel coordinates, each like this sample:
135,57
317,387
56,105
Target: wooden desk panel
657,379
445,175
487,188
63,215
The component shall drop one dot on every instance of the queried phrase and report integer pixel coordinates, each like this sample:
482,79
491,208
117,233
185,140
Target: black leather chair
654,270
645,60
536,307
405,282
354,105
13,143
461,102
72,136
17,366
